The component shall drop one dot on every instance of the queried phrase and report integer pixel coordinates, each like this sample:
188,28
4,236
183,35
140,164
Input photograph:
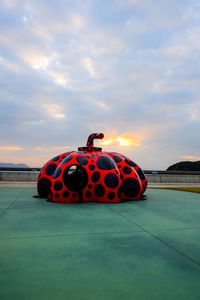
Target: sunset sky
127,68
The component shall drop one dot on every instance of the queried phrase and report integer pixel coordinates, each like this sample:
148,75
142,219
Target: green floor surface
135,250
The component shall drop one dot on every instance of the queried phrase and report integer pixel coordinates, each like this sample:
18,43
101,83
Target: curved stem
92,137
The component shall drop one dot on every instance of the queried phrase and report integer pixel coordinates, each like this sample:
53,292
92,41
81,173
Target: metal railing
154,172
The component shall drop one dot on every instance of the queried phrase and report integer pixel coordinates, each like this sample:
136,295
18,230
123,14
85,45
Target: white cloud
59,78
88,65
54,111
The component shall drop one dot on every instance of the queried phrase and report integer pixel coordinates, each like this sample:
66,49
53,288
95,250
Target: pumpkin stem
92,137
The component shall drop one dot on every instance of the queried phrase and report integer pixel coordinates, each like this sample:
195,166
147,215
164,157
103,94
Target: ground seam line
11,204
66,234
171,247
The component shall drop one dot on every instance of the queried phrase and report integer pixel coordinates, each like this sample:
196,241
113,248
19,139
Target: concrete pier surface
141,250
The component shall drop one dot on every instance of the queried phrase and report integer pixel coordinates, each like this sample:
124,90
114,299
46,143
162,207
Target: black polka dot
82,160
117,158
130,163
89,186
49,170
66,159
88,156
119,192
130,187
111,195
44,187
56,158
111,180
127,170
95,176
141,174
119,166
99,190
56,195
94,155
57,173
116,171
92,160
91,167
121,176
65,194
88,194
58,185
105,163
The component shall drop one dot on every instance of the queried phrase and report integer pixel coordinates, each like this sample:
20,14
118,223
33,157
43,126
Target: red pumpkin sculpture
90,174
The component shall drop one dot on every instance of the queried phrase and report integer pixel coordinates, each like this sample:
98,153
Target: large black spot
126,170
130,187
111,195
65,194
95,176
111,180
130,163
66,159
99,190
119,192
141,174
75,177
58,185
105,163
91,167
57,173
55,158
82,160
117,158
49,170
88,194
44,187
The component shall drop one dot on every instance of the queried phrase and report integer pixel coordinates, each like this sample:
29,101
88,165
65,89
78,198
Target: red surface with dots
90,174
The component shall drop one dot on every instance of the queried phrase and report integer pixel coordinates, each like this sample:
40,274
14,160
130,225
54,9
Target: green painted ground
135,250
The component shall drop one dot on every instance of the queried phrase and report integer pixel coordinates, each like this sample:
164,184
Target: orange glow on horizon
106,142
121,141
190,157
11,148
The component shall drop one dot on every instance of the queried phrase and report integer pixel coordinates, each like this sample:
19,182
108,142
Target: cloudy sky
128,68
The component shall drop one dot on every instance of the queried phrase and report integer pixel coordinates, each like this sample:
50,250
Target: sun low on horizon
127,68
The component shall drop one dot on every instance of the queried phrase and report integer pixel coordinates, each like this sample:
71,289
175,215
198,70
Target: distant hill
10,165
185,166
